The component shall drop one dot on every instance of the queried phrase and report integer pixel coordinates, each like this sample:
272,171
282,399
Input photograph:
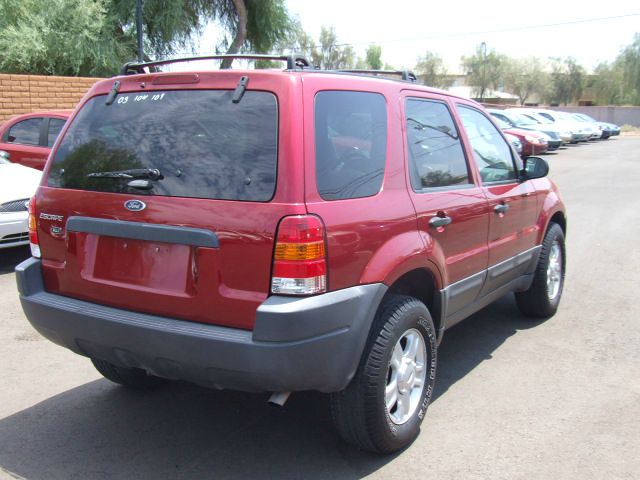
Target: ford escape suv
285,230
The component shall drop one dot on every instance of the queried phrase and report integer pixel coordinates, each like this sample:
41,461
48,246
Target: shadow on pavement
10,257
99,430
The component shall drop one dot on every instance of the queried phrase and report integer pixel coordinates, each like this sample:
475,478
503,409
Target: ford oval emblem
135,205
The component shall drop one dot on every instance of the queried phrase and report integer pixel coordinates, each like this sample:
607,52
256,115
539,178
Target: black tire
537,301
360,412
129,377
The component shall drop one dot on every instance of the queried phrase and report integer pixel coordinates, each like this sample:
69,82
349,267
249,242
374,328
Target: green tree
330,55
566,81
525,77
326,54
373,57
255,25
485,70
94,37
432,72
60,37
618,82
628,62
608,84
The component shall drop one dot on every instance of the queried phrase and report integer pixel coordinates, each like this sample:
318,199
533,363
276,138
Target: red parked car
28,138
533,143
283,231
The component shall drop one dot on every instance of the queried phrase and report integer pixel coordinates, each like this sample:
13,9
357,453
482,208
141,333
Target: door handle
437,222
501,208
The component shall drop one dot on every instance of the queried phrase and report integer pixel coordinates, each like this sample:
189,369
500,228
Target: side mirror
534,167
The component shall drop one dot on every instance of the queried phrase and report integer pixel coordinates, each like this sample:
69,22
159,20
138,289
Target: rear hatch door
165,200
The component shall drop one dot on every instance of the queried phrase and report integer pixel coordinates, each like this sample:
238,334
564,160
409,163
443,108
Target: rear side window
26,132
436,158
55,126
351,143
203,144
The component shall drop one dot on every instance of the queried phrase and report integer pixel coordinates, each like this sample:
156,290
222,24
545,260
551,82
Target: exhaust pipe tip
278,399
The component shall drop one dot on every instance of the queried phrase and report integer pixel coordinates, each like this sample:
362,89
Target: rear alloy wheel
129,377
382,408
542,298
405,376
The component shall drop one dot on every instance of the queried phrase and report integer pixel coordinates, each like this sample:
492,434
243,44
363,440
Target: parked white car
17,185
602,129
560,129
563,120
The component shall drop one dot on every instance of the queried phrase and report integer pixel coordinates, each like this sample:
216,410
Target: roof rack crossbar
293,61
406,75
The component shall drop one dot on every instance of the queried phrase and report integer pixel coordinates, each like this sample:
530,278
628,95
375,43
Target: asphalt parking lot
514,399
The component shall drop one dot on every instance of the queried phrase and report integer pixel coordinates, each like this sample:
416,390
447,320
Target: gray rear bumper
312,343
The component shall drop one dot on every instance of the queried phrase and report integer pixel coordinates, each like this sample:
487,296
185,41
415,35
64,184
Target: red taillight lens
33,229
300,260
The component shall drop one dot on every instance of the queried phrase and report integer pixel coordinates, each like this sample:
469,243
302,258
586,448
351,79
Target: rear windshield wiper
147,173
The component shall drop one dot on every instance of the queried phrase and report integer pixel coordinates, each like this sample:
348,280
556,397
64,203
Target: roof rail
406,75
293,61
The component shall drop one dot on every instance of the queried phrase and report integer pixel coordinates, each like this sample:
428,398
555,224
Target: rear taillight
33,229
300,258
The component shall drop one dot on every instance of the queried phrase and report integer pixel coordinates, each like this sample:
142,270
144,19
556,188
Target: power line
485,32
480,32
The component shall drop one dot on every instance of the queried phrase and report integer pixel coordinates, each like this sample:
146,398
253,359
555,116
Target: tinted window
436,158
351,143
490,150
204,145
55,125
26,132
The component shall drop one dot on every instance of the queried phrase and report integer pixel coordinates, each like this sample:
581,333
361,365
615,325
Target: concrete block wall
29,93
611,114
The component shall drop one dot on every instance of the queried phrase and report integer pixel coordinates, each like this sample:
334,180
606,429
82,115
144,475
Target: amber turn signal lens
299,251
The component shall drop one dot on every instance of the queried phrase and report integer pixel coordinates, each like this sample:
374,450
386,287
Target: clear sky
405,29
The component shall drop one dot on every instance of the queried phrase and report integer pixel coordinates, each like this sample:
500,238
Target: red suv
27,139
285,230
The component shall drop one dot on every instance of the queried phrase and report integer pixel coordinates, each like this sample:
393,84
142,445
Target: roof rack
407,75
293,61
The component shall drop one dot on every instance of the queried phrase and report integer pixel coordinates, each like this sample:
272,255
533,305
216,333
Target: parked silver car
546,124
579,133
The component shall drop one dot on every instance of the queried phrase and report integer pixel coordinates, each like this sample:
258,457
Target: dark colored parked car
28,138
282,231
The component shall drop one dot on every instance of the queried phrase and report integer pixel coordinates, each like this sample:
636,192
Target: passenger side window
490,150
351,143
55,126
436,157
26,132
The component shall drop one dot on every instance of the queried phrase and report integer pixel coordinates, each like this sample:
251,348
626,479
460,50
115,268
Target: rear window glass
203,144
435,152
55,126
351,143
26,132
